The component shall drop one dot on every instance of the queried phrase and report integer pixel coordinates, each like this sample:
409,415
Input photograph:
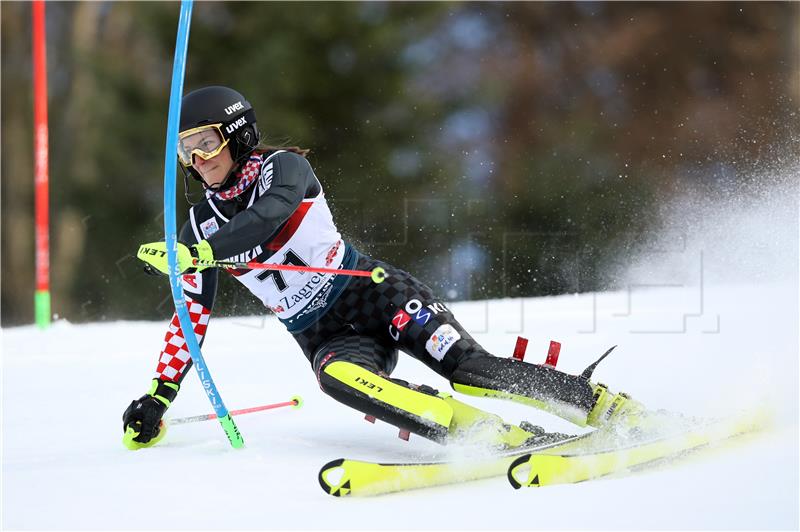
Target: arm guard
199,290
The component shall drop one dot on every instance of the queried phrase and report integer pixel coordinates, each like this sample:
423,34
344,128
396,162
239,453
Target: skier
265,204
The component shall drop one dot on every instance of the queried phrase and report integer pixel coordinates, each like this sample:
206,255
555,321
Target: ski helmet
225,112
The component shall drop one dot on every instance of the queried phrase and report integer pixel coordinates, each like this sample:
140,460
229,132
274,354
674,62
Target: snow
707,325
64,391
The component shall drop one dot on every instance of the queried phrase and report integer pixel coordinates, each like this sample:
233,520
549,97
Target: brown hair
262,148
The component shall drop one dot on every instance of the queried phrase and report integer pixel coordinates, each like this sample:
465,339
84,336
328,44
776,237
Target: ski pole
295,402
377,275
170,230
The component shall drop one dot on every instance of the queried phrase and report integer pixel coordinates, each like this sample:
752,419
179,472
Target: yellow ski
558,467
575,459
343,476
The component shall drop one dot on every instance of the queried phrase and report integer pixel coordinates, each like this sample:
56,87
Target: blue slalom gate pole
170,231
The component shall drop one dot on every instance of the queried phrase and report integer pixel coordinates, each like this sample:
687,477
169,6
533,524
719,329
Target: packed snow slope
706,324
706,350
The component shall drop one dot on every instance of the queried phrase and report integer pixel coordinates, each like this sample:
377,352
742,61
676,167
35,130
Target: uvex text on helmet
227,107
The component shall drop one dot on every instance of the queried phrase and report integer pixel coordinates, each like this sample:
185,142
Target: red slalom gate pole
41,172
295,402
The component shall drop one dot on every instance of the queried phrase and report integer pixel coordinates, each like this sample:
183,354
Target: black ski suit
336,318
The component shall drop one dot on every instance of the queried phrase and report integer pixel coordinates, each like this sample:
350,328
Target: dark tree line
495,149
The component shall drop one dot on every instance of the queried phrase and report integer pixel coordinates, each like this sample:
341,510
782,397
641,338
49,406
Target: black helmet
230,112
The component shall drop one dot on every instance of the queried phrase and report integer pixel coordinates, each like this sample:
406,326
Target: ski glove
155,257
141,421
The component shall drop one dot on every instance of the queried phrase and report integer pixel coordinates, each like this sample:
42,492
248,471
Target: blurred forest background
493,149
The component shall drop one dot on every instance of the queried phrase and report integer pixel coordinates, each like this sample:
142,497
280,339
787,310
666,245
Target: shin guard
568,396
422,413
421,410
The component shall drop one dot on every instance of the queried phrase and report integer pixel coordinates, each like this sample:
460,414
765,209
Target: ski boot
628,418
475,426
612,410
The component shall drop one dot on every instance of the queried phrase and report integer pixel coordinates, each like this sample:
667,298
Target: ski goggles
205,141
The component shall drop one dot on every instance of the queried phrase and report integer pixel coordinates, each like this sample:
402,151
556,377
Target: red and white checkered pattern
248,173
175,356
